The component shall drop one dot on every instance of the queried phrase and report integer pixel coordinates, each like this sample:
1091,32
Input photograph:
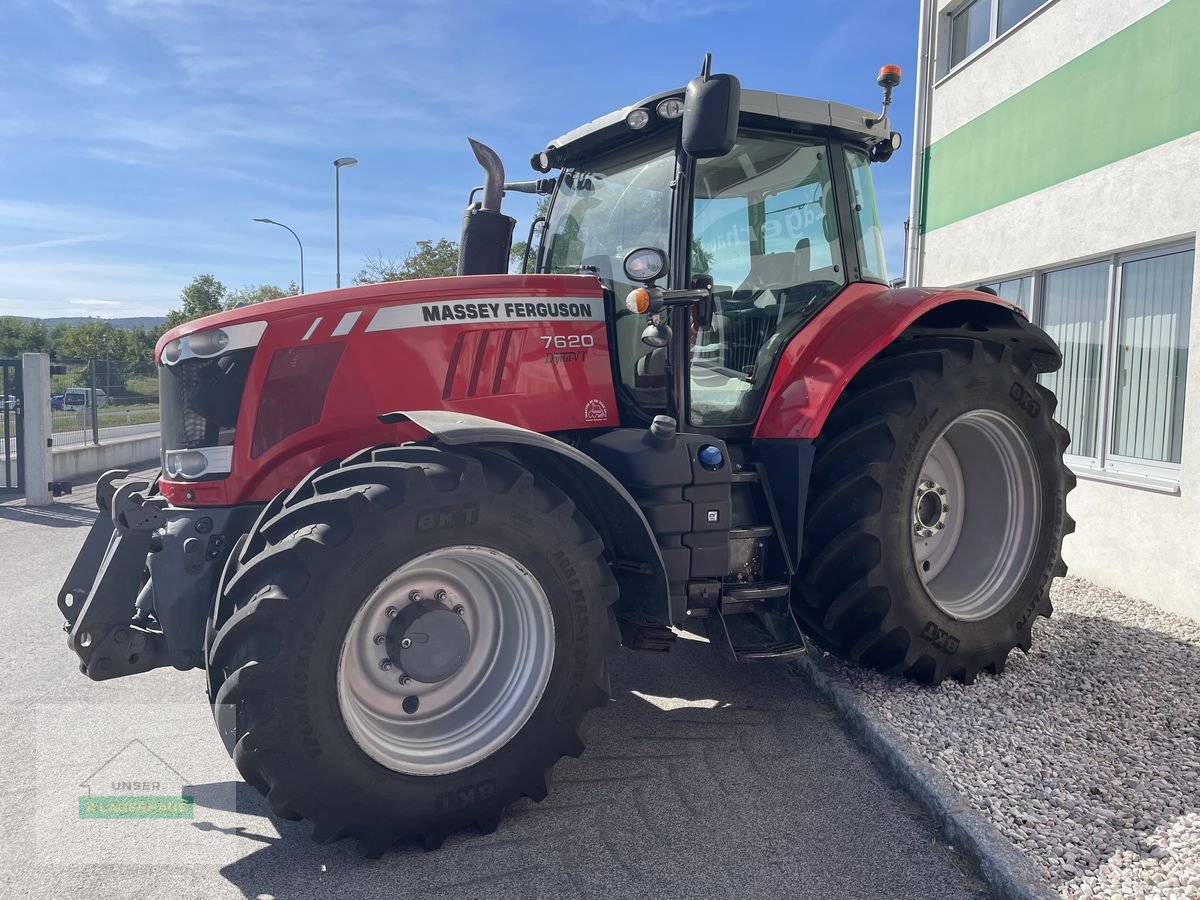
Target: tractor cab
771,227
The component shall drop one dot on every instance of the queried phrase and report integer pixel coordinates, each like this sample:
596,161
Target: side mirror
710,115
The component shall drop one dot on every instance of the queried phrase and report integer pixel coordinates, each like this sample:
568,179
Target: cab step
742,598
754,622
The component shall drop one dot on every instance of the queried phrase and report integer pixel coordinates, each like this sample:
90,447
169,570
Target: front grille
200,400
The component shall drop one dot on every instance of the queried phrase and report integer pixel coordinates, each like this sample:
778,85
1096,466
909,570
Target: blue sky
138,138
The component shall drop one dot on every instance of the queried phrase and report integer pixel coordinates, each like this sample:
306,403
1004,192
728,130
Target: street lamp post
297,237
338,165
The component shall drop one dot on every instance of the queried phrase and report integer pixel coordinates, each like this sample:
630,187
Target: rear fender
824,356
639,569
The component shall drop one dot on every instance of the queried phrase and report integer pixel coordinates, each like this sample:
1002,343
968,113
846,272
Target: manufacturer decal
447,517
942,640
595,411
417,315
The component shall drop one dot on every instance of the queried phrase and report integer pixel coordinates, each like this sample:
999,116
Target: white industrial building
1056,151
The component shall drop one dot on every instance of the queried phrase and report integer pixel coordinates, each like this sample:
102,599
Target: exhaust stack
486,232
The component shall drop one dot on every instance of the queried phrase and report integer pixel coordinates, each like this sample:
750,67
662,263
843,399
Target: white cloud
92,301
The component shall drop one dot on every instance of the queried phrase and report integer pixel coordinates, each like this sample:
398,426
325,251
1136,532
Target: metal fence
97,400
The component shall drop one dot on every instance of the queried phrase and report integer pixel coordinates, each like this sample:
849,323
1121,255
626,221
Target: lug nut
380,638
440,596
404,679
460,610
406,643
392,612
942,491
385,664
414,596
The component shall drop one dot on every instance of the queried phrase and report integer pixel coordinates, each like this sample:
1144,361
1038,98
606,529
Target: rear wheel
408,641
936,509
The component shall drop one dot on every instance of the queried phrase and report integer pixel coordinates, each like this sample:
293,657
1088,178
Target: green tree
257,293
202,297
19,336
516,256
427,259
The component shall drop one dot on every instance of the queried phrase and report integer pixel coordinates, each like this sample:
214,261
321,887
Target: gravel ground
1085,753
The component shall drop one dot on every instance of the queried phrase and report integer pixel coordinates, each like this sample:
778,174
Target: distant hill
125,322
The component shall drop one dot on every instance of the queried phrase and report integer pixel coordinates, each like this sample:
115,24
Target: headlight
637,119
671,108
186,464
172,351
208,343
645,264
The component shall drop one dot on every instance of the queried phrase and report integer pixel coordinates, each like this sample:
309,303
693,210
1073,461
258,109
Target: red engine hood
423,290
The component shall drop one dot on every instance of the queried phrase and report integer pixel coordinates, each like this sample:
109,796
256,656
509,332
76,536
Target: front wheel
407,642
937,509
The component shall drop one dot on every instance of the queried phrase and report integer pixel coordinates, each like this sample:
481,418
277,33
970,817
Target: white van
79,398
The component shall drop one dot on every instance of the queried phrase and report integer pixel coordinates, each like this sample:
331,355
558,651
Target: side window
794,216
716,249
867,232
764,227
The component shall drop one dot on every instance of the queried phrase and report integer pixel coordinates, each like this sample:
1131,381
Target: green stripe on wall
1134,91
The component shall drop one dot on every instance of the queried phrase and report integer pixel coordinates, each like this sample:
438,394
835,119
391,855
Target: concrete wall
1139,541
79,465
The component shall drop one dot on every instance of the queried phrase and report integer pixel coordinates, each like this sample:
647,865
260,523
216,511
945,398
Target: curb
995,859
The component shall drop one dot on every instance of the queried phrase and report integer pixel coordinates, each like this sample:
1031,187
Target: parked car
56,402
79,398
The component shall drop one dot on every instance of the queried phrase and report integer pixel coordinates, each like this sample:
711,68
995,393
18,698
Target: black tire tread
838,601
270,568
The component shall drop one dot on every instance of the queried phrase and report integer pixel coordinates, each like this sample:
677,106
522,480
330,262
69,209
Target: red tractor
403,526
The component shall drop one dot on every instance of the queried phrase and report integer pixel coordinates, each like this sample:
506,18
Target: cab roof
610,130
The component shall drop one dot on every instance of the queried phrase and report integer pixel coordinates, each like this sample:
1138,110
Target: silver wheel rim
976,515
434,721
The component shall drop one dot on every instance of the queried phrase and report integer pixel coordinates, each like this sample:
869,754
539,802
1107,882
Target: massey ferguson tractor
402,527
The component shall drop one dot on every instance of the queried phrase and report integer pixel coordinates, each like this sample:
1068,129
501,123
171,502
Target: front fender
822,358
640,572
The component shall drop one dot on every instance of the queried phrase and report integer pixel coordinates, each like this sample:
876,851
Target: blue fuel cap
711,457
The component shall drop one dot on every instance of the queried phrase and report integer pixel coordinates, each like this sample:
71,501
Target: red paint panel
820,360
482,366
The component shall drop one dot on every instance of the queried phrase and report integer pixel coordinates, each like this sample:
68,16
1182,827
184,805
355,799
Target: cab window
765,229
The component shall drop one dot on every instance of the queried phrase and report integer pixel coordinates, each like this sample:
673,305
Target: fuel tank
308,376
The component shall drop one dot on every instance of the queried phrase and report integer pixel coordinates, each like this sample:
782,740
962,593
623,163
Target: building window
1151,352
1016,290
1122,324
970,29
1073,312
979,22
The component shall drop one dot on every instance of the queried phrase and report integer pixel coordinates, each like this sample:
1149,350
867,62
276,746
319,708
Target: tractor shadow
701,778
59,515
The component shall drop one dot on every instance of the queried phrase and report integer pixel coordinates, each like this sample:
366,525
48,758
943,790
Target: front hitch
141,591
102,634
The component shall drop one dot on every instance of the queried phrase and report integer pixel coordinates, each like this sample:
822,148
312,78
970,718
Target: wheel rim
474,630
976,515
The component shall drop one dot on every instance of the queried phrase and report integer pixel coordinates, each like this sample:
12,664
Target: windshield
619,203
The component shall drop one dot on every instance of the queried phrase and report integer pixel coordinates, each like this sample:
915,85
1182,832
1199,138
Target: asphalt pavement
702,778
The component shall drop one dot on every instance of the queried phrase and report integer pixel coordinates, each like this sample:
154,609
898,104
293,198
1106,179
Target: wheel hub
445,660
929,508
975,515
428,641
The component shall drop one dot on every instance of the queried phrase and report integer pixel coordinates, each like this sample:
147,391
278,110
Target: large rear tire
936,509
407,642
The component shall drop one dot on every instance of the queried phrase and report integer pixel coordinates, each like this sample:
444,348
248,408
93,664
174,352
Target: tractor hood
369,297
254,398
